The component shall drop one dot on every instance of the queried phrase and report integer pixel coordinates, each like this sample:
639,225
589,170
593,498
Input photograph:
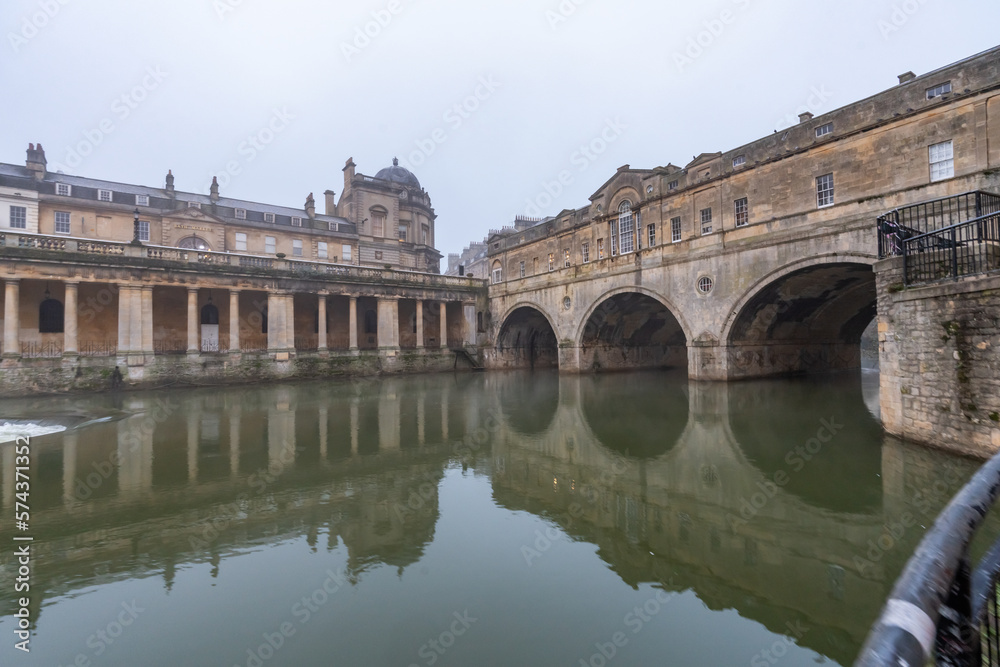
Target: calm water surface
498,519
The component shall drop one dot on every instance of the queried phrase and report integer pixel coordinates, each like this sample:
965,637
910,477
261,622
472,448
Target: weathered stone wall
939,352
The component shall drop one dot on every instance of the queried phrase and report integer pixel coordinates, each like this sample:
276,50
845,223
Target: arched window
50,316
378,221
626,239
370,322
209,314
497,272
194,243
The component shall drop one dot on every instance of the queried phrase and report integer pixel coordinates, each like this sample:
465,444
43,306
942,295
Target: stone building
472,261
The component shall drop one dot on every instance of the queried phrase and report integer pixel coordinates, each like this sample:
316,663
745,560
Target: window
296,222
614,238
241,214
50,316
402,233
322,250
942,160
522,269
600,248
193,204
824,130
566,258
938,91
194,243
345,253
497,273
425,234
63,189
706,221
705,285
552,261
741,209
241,241
378,223
269,217
18,217
651,235
626,239
739,161
534,266
585,252
270,245
296,247
104,195
142,200
144,230
824,190
62,222
675,229
672,185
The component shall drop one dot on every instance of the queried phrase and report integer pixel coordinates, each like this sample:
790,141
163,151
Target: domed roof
398,174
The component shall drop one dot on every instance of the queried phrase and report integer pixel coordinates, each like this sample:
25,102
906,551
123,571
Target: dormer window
672,185
739,161
269,217
333,226
241,214
63,189
296,222
824,130
938,91
142,200
194,204
104,195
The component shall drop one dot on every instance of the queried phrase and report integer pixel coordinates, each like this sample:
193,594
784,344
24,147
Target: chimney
805,117
311,207
906,77
214,190
170,183
331,202
349,172
36,161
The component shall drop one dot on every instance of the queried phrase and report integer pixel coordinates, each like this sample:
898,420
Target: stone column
69,467
290,322
322,323
354,426
135,320
234,442
469,324
352,324
147,319
420,324
192,321
444,325
421,419
192,446
71,320
12,318
388,323
324,436
124,317
234,321
275,312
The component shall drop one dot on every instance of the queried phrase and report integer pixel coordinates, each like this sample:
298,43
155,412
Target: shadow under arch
527,339
632,327
638,423
808,316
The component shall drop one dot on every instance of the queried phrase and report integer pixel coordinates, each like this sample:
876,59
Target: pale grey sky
273,96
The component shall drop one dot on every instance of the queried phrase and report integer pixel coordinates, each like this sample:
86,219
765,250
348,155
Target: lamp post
135,228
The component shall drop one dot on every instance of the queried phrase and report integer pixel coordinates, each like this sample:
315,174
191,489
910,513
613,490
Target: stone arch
527,338
194,242
808,315
626,192
632,327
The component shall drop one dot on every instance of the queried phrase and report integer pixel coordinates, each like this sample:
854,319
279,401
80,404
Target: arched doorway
526,340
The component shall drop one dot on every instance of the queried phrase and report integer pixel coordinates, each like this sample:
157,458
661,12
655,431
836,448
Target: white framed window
600,248
269,217
296,247
144,230
651,235
675,229
104,195
741,211
378,223
672,185
566,258
497,273
824,130
626,239
552,261
333,226
194,204
824,190
241,214
18,217
939,90
64,189
270,245
585,252
142,200
706,221
402,233
296,222
739,161
522,269
241,241
345,253
62,222
322,250
942,160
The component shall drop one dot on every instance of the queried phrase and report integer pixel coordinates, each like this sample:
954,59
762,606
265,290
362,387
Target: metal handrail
928,216
938,605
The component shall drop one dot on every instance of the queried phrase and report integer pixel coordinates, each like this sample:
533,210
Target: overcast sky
487,101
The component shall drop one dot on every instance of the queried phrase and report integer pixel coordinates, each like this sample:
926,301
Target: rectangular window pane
18,217
241,214
552,261
346,253
402,233
62,189
62,222
651,235
585,252
942,161
270,245
144,230
142,200
522,269
626,241
824,190
104,195
675,230
600,248
706,221
296,248
824,130
742,211
241,241
566,257
322,250
938,91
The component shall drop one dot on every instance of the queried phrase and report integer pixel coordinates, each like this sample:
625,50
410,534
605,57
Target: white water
11,430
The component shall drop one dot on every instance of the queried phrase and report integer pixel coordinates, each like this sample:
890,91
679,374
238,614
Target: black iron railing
965,249
940,606
930,216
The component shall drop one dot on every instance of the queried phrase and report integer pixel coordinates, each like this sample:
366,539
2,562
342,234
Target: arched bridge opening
526,340
632,330
808,320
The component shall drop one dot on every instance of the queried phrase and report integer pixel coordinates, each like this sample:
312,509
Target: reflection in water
219,510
